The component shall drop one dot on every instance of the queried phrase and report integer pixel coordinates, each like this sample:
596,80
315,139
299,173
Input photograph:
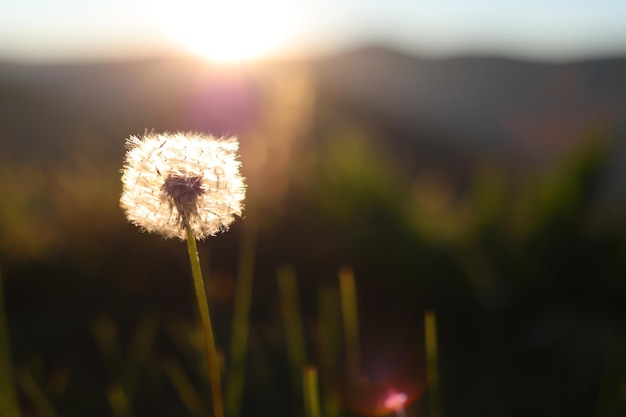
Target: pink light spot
395,401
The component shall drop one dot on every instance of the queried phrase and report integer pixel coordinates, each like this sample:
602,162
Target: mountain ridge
524,113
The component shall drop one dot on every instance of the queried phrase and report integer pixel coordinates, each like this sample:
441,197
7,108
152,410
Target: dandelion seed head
171,179
183,192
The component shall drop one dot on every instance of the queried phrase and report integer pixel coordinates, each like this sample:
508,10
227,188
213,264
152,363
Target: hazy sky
75,29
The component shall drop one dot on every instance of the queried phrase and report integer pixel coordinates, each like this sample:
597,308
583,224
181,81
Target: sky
53,30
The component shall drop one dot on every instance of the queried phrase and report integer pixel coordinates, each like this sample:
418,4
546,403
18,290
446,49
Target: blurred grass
330,348
34,393
350,321
311,392
432,364
509,244
294,330
526,275
185,389
235,380
8,397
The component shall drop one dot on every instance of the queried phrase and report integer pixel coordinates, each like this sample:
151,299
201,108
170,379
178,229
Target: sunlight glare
231,31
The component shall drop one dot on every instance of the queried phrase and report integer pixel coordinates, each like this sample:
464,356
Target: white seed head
173,179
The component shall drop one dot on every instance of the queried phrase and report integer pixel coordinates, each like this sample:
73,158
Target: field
453,230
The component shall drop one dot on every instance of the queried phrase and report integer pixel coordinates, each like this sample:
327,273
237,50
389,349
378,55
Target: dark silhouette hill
451,112
526,112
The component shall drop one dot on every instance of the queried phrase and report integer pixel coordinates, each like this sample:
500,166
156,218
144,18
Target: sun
230,31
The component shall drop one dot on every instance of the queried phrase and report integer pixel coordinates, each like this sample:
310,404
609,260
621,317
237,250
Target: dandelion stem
207,330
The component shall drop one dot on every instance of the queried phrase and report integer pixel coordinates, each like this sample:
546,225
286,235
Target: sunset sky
44,30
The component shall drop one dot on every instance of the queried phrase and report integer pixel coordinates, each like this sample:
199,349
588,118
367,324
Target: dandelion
185,185
171,181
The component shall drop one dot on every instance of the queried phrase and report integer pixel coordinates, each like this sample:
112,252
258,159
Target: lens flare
395,401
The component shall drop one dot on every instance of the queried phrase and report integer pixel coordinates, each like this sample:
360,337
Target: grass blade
239,343
294,333
350,313
8,398
432,364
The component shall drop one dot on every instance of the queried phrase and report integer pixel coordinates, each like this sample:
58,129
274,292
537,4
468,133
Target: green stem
207,330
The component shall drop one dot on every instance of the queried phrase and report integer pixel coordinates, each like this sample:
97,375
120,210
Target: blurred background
465,158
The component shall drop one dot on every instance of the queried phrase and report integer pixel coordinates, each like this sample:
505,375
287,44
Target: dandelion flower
174,180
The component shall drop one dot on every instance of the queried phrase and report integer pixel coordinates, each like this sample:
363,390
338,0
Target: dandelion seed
171,180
